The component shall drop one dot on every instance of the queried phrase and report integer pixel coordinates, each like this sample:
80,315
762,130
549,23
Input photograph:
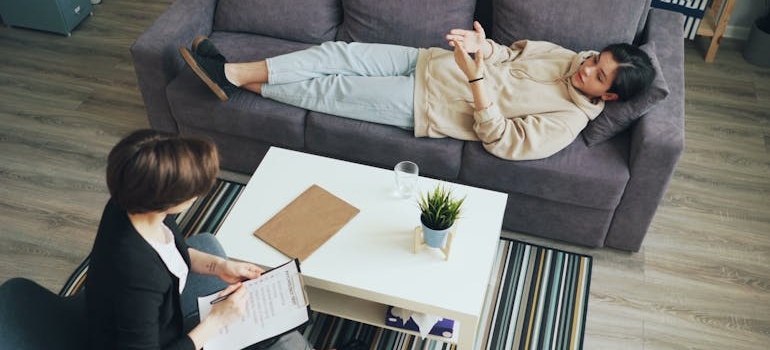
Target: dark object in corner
757,49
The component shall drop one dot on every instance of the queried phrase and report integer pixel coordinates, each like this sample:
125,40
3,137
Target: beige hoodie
535,110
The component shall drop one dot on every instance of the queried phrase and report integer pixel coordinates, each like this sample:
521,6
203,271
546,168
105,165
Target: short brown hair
150,170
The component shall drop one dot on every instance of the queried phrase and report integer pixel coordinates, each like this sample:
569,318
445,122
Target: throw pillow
617,116
420,23
305,21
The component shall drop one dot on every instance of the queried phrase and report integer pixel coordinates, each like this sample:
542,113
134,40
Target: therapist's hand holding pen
230,304
231,307
223,313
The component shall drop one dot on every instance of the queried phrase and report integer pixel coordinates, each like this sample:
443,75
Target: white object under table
370,263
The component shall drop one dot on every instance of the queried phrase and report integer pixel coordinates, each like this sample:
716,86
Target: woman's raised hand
472,68
471,40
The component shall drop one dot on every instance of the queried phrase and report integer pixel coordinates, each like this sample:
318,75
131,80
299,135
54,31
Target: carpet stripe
537,297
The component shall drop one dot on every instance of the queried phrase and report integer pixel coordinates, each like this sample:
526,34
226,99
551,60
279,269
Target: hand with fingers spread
473,68
472,41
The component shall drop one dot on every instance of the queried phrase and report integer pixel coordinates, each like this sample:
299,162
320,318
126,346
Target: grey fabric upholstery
404,22
657,139
578,25
156,54
268,17
577,175
575,190
34,318
280,124
605,195
381,145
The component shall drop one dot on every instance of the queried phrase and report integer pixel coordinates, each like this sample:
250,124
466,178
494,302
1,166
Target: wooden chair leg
721,19
711,52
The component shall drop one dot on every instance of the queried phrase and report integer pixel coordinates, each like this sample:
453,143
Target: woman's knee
291,341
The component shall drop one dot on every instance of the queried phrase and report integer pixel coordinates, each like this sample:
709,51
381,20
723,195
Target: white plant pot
435,238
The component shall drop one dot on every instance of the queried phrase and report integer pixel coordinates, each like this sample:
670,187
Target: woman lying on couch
526,101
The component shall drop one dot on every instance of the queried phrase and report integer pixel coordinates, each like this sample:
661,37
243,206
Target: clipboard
280,295
306,223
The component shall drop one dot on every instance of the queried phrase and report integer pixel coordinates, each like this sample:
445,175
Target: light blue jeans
369,82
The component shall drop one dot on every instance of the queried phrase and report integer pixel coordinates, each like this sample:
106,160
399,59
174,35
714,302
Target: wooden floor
701,281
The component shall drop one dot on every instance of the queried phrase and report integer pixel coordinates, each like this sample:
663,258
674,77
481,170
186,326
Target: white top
171,257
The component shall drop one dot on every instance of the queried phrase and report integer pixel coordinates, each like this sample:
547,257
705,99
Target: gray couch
600,195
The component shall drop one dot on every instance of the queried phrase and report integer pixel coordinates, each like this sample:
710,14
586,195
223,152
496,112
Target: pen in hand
230,289
221,298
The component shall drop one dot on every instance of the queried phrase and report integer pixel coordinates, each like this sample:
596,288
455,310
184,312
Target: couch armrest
657,139
156,56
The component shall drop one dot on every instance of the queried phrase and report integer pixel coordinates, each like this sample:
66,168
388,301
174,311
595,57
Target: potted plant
438,212
757,49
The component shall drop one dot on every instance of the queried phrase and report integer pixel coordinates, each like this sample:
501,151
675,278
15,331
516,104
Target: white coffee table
370,262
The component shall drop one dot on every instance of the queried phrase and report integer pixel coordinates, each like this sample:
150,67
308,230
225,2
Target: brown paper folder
306,223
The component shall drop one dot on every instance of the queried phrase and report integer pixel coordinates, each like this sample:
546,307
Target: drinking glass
406,178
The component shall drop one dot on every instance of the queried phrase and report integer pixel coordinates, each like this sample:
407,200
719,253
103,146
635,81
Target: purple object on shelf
443,328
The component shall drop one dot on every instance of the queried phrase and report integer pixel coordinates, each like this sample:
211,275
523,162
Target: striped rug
537,297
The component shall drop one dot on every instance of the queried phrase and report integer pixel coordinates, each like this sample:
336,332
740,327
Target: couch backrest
577,25
308,21
418,23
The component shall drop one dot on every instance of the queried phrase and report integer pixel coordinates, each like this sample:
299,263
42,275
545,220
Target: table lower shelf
361,310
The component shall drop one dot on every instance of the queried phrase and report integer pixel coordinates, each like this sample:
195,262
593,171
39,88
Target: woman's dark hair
635,72
151,171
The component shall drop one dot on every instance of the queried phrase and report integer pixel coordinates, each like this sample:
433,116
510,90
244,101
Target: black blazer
132,298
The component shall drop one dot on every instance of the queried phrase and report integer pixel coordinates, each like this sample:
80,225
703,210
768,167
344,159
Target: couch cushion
246,114
381,145
245,47
577,25
557,220
194,105
643,20
236,153
617,116
588,177
405,22
313,21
